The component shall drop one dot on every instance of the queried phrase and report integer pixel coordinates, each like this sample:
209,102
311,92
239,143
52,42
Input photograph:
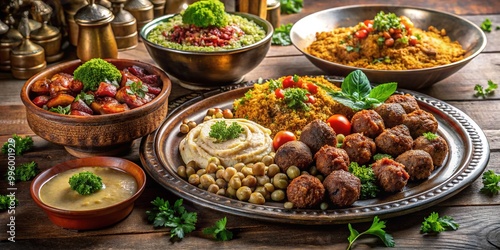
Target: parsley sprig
484,92
5,201
376,229
219,231
136,88
25,171
221,132
369,187
17,144
281,35
491,183
291,6
175,216
85,183
436,224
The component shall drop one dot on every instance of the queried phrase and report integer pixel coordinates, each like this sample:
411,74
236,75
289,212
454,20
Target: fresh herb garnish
369,187
486,25
358,94
491,183
87,98
25,171
221,132
384,22
291,6
61,110
136,88
436,224
85,183
5,202
274,84
219,231
484,92
295,98
281,35
376,229
17,144
430,136
175,216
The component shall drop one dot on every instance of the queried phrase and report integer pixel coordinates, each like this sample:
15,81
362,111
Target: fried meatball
330,158
305,191
293,153
407,101
394,141
418,164
436,147
343,188
391,113
391,175
316,134
368,122
420,122
359,148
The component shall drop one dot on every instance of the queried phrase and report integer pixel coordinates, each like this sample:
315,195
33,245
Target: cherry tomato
362,33
310,99
312,88
413,40
280,93
288,82
369,25
282,137
340,124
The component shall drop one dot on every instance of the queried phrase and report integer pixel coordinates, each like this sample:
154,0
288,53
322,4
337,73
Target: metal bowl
208,69
457,28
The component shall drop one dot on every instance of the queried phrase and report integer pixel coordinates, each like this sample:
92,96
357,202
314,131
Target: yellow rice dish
373,45
261,105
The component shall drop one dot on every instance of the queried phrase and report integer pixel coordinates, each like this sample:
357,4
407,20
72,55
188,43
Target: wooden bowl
110,134
89,219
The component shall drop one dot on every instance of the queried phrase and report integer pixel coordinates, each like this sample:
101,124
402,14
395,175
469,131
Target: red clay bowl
89,219
110,134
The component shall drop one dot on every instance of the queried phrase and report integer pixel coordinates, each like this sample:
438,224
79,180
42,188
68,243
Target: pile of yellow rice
261,105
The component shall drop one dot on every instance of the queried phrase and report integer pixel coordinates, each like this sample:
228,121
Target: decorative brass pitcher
95,35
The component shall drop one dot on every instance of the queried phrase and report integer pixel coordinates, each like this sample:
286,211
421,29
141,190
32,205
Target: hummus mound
254,143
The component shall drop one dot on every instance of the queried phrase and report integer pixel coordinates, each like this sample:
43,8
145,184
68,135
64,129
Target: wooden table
476,213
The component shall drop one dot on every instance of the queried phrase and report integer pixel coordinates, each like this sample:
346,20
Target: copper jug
95,35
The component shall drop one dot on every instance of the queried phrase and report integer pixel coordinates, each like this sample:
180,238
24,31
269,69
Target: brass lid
93,14
138,5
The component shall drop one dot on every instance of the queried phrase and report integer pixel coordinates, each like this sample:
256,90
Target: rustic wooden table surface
476,213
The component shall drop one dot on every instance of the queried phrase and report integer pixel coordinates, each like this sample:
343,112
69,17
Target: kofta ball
343,188
391,113
305,191
420,122
394,141
418,164
407,101
293,153
391,175
330,158
359,148
316,134
368,122
436,146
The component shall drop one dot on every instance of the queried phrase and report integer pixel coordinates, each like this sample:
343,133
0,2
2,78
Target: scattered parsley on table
18,144
484,92
491,183
25,171
219,231
435,224
175,217
281,35
376,229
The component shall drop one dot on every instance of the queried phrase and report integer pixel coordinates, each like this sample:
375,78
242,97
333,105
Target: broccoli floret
85,183
205,13
95,71
369,188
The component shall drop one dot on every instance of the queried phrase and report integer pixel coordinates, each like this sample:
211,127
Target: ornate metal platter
468,156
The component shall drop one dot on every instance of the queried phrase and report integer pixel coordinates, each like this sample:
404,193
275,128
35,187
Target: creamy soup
117,186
